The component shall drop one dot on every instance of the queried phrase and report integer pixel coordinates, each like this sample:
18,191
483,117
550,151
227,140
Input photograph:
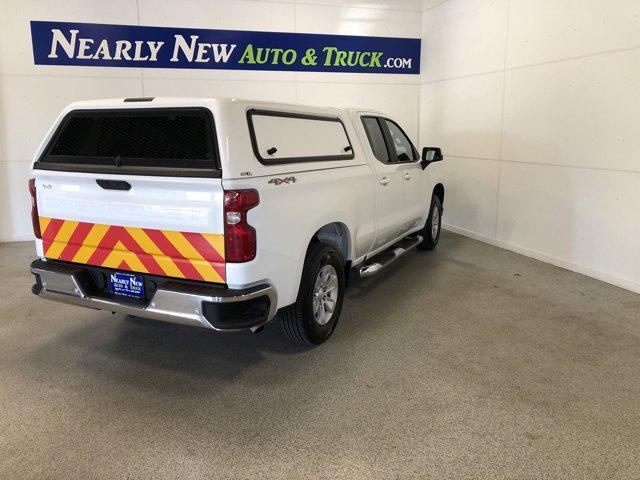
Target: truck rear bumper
200,305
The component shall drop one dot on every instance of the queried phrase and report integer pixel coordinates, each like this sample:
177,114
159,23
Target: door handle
407,175
384,181
113,184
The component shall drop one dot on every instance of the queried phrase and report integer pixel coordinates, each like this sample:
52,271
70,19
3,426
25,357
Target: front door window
401,144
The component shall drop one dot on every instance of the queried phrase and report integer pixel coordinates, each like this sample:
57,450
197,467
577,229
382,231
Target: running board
390,256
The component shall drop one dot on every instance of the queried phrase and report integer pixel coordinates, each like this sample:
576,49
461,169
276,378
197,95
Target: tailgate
162,226
134,189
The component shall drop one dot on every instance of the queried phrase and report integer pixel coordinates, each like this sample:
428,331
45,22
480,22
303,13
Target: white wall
32,96
536,104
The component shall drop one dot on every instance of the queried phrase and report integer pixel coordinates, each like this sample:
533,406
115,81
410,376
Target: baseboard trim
543,257
17,238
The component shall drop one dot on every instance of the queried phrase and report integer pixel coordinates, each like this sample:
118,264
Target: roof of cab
150,102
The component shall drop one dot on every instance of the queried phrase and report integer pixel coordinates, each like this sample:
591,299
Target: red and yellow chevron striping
196,256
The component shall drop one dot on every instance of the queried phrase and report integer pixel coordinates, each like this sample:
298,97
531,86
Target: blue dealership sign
103,45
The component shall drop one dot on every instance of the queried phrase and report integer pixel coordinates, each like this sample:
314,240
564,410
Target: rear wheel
431,230
313,318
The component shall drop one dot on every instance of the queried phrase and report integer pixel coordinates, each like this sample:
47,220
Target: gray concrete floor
465,362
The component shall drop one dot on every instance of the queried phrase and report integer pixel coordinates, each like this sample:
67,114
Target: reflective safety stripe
196,256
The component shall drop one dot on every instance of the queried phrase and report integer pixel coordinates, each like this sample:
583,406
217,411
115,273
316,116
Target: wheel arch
337,235
438,191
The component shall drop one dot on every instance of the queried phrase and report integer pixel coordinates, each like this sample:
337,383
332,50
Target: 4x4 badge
280,181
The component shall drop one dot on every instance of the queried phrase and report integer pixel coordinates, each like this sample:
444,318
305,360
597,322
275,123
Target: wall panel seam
542,164
419,115
210,79
477,157
141,69
504,95
357,82
461,77
363,6
495,225
434,6
18,162
533,65
296,80
97,76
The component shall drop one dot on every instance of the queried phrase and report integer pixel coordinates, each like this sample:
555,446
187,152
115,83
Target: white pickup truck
225,213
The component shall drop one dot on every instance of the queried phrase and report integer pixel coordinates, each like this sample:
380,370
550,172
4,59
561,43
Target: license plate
126,284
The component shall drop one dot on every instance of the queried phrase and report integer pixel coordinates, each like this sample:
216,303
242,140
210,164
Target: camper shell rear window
163,141
284,137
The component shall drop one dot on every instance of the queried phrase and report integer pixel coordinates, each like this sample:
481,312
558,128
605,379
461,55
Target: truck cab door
416,194
389,183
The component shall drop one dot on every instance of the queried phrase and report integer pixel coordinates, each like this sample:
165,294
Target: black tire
430,239
298,320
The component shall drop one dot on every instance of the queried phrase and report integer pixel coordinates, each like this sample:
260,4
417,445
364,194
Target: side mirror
430,155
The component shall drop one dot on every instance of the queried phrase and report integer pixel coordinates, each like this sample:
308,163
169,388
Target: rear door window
282,137
376,138
152,138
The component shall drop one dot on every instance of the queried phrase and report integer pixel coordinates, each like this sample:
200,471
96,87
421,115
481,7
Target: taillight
240,237
35,220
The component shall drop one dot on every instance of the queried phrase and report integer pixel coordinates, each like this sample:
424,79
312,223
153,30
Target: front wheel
313,318
431,230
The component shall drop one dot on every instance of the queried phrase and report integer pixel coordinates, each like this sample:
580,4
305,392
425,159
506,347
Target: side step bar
390,256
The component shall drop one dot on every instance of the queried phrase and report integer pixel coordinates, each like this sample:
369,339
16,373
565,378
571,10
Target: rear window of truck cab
283,137
171,139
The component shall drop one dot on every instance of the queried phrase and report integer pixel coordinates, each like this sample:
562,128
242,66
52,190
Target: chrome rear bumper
173,301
